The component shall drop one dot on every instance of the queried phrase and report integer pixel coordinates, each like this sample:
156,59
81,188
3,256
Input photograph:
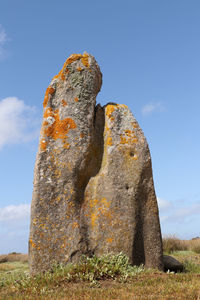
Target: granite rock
93,184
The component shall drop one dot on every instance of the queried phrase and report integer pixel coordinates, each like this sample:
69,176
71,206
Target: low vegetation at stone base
108,277
172,243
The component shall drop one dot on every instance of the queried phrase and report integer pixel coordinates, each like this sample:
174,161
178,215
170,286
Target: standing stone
93,185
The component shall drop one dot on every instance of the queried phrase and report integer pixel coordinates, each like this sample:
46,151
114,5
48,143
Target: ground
147,284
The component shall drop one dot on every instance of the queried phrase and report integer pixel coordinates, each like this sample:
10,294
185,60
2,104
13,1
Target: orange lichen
73,58
82,135
32,243
76,99
49,92
62,74
128,140
57,129
43,144
64,103
84,60
66,145
109,240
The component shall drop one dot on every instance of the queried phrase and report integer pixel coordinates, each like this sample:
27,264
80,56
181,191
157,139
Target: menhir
93,185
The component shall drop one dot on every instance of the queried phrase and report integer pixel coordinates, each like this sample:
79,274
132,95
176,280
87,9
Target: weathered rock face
93,186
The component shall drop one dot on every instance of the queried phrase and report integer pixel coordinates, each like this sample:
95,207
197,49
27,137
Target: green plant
191,267
98,268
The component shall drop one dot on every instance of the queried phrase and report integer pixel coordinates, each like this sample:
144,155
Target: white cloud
152,107
14,212
17,122
189,211
163,218
3,39
163,204
14,228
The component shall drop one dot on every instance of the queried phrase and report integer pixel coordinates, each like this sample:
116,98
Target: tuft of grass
101,268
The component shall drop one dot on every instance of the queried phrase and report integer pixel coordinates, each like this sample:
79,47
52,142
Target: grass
172,244
108,277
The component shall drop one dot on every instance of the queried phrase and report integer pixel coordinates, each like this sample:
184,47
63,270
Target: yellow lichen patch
64,103
109,141
110,109
135,125
76,99
93,203
105,202
128,137
49,92
58,199
75,225
34,221
99,208
135,157
93,219
128,140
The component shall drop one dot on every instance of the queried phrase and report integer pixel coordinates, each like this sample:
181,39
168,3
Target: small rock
172,264
3,260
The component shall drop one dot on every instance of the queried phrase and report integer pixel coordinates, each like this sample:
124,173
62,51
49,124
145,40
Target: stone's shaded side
120,206
66,144
93,185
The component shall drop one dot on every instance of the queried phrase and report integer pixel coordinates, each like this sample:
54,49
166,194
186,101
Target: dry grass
11,257
172,244
147,284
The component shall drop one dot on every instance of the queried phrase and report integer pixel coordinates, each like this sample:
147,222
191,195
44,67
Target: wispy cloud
185,212
152,107
163,204
3,39
14,228
17,122
14,212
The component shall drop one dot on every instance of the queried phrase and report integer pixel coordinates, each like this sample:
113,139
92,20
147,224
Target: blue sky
149,54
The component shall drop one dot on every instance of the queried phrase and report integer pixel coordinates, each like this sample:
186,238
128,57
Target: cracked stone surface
93,184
